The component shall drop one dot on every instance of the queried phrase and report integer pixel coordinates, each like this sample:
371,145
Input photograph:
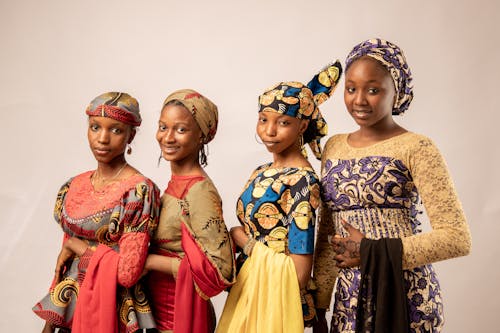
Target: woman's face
178,134
279,133
369,92
108,138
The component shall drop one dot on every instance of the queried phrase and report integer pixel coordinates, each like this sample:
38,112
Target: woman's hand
239,236
347,248
63,261
48,328
320,326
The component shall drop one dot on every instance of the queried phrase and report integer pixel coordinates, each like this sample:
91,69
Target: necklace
97,174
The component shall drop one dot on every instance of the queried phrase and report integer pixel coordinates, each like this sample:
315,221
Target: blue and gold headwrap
393,59
301,101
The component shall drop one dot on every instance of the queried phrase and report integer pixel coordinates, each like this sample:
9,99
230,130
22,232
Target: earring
129,149
160,158
256,139
203,155
301,141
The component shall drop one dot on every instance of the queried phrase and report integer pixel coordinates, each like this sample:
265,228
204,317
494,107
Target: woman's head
113,117
293,102
391,58
187,122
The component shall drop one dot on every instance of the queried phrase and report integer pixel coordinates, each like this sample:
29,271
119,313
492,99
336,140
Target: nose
359,98
169,136
103,136
271,128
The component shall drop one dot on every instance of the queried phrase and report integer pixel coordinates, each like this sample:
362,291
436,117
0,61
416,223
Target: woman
107,215
277,212
191,256
373,180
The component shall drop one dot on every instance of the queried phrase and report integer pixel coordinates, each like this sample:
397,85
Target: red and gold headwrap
204,111
116,105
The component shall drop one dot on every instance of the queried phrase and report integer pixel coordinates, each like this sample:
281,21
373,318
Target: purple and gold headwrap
116,105
204,111
393,59
301,101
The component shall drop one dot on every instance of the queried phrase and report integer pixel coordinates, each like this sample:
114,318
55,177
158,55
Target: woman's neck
290,159
186,168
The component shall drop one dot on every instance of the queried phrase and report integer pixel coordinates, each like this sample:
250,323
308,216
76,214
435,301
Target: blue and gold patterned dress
278,208
378,190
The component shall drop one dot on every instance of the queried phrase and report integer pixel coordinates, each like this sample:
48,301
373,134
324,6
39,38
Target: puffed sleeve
450,235
135,220
205,221
61,197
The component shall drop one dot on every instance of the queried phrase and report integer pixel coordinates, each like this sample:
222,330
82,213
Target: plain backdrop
57,55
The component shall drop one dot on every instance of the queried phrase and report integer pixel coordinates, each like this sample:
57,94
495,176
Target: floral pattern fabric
379,190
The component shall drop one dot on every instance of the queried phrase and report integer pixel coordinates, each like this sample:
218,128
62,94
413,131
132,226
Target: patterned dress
278,208
379,189
190,204
123,215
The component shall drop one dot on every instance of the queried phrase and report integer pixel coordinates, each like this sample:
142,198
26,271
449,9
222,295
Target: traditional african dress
191,231
277,208
102,286
379,190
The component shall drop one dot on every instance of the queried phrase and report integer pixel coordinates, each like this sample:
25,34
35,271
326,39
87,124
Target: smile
170,149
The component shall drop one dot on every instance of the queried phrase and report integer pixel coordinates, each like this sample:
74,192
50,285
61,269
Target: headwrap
301,101
393,59
116,105
204,111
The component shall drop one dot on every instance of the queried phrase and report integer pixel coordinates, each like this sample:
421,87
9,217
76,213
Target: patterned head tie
393,59
116,105
301,101
204,111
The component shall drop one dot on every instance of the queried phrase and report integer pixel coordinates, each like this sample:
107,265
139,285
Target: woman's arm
450,235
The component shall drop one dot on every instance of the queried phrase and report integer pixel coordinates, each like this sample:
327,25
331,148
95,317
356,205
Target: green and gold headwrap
301,101
204,111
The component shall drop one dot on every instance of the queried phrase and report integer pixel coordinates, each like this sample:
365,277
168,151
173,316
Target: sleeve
61,196
450,235
324,269
206,222
304,198
136,220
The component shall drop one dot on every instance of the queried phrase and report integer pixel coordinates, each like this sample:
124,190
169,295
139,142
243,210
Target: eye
262,119
284,123
162,127
349,90
373,91
93,127
116,130
181,130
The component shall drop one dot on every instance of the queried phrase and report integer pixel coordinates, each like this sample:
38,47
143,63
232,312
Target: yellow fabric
265,297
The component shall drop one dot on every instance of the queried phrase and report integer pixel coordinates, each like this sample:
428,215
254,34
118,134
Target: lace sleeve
138,219
450,235
324,269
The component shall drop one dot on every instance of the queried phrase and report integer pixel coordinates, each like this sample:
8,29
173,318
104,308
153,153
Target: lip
101,151
270,143
362,114
169,149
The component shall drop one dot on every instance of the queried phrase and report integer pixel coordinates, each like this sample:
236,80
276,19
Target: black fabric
382,301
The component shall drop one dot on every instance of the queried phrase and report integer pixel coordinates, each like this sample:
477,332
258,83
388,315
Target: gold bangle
247,249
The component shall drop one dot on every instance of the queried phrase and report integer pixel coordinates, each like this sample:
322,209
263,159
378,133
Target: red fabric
194,268
95,310
133,253
164,294
179,186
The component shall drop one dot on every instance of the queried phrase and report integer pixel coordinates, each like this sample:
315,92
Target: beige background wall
55,56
